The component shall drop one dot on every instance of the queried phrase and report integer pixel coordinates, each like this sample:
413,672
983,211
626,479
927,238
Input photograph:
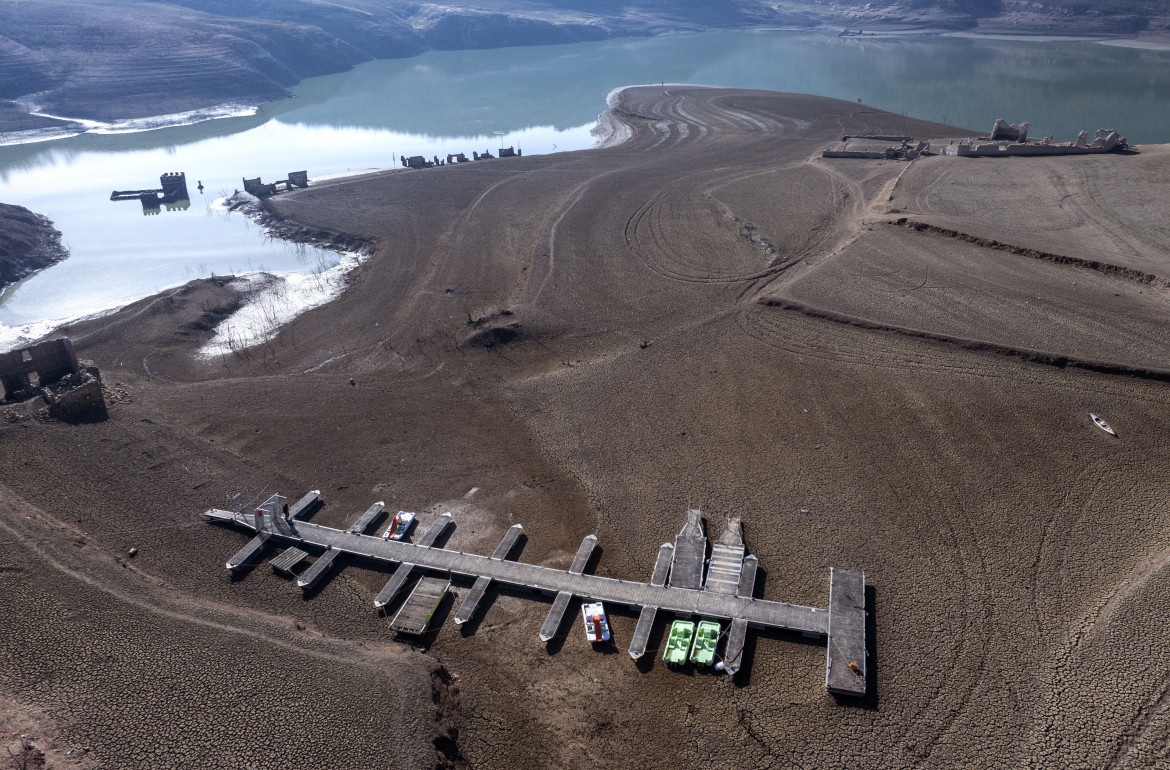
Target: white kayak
1102,424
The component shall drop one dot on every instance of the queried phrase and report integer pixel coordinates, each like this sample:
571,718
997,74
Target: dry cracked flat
884,368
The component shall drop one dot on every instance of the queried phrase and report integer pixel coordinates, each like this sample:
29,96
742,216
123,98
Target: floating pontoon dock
677,584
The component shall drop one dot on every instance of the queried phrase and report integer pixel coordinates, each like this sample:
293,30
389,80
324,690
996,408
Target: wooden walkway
727,594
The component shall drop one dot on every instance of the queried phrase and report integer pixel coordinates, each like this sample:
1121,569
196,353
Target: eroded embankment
276,226
1034,356
28,242
271,301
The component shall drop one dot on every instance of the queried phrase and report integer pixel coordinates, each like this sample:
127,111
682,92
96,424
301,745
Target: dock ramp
420,606
288,559
690,552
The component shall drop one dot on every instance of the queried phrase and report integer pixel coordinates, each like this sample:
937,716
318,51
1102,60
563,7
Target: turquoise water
543,99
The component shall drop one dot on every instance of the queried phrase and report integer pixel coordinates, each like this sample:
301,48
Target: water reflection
172,193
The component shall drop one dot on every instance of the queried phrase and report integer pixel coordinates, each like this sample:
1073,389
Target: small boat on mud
706,640
678,644
399,526
1102,424
596,624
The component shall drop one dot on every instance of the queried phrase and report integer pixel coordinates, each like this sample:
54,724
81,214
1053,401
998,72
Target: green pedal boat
678,644
706,639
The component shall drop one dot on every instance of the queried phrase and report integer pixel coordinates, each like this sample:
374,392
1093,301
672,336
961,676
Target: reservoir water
542,99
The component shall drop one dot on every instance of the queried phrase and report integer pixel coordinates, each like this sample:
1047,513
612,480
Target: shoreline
71,127
270,301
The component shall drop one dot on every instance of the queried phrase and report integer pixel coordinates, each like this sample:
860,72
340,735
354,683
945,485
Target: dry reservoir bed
583,343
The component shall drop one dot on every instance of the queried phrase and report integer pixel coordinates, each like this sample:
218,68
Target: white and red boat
596,624
399,526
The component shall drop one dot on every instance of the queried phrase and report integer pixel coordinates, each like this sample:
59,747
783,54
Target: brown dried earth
885,367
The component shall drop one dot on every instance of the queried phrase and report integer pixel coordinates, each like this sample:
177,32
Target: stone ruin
1012,140
418,161
262,190
71,388
1105,139
1009,132
902,151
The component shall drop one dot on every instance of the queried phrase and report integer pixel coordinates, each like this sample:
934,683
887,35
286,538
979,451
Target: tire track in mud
156,594
646,252
844,196
441,252
874,353
973,570
573,198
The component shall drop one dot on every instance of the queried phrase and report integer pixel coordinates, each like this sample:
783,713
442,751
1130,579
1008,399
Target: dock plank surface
758,612
248,553
367,519
556,616
313,574
584,551
662,564
471,602
508,542
438,526
690,553
304,505
393,585
846,633
747,577
736,639
676,584
288,559
642,629
724,569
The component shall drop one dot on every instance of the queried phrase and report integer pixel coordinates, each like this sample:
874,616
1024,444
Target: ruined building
72,389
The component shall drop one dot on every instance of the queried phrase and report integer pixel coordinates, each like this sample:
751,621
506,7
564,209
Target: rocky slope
28,242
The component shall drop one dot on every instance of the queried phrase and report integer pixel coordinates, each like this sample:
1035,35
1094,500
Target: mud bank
28,243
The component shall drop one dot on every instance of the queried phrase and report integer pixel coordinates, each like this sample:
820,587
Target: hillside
108,60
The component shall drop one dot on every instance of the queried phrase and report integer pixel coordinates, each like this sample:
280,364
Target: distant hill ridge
110,60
